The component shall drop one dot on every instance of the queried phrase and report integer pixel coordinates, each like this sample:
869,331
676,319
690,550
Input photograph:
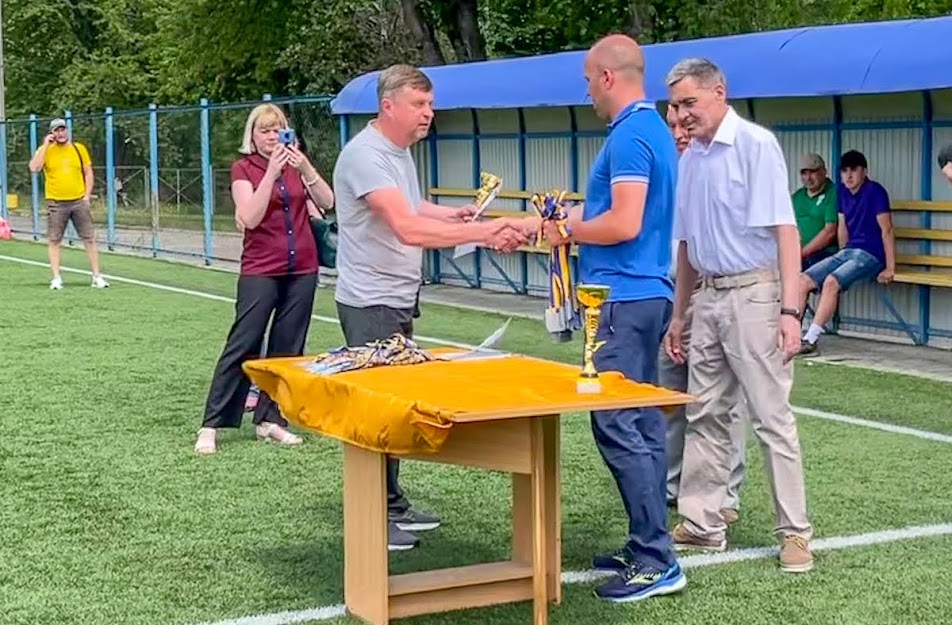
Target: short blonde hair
262,116
396,77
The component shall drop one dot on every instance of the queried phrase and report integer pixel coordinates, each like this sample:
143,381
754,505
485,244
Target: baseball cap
59,122
812,161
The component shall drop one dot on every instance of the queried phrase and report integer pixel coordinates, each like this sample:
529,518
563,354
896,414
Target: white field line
835,543
819,414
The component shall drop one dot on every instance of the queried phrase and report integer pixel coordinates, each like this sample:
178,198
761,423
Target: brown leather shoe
684,540
730,515
795,555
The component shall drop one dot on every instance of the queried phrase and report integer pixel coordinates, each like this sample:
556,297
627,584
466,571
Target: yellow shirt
63,171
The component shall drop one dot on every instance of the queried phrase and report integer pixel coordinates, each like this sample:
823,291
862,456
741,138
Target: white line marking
876,425
835,543
211,296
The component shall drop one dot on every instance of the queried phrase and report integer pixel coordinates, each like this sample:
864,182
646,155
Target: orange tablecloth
411,409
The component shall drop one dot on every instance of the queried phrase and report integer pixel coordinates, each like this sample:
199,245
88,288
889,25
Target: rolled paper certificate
562,314
489,187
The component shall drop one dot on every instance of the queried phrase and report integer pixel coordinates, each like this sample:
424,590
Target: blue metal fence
161,172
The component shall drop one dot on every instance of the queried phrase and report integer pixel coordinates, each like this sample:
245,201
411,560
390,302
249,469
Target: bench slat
921,205
923,233
924,260
926,278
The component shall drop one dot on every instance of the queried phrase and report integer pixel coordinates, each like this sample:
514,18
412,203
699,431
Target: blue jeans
848,266
632,441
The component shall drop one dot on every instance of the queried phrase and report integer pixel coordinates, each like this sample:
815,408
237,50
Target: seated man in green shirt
815,206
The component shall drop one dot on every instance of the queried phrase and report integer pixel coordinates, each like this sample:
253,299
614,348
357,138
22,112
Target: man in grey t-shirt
384,226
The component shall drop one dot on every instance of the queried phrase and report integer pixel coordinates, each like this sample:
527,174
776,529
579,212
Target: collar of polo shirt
628,110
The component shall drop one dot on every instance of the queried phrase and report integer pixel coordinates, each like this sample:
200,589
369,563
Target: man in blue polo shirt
624,234
868,245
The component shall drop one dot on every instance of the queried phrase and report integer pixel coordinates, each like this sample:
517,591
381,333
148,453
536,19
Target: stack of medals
562,315
395,350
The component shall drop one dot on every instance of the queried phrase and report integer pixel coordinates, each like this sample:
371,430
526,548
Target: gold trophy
590,297
489,187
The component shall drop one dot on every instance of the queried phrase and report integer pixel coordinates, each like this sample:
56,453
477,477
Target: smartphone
287,136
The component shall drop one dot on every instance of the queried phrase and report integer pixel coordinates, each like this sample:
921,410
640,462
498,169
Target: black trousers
291,300
363,325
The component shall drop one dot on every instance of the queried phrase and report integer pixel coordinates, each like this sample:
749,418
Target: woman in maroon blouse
271,186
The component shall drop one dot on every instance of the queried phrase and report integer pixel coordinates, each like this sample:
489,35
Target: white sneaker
56,284
99,283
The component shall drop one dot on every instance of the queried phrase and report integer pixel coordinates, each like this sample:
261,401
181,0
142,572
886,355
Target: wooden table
516,433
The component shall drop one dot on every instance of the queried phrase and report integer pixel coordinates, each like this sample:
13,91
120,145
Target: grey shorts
60,213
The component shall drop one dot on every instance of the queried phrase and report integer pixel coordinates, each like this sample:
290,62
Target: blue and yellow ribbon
562,316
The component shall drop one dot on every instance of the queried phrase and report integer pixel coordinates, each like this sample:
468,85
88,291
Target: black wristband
793,312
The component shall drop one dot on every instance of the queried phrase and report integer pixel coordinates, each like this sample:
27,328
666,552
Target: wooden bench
924,269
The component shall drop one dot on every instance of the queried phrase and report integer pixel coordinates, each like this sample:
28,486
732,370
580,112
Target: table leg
366,584
536,532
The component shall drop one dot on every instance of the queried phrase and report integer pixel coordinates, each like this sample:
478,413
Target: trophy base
588,386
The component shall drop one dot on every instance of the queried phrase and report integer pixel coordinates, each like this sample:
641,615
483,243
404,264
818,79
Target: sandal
277,433
205,444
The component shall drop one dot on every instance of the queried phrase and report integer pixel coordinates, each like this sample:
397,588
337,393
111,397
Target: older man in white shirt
738,234
674,375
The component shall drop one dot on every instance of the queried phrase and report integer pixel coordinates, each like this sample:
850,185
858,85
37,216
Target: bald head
618,53
615,71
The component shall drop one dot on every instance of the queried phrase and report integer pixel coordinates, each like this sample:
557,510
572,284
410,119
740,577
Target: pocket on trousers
763,293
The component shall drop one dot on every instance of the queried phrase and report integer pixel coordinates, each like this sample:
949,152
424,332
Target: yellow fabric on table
411,409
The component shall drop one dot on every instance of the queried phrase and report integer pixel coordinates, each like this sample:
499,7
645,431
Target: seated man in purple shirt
945,161
868,246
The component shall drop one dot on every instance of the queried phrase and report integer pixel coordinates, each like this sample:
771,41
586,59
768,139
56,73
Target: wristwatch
793,312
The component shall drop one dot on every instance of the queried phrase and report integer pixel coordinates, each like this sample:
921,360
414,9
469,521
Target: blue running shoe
615,561
639,582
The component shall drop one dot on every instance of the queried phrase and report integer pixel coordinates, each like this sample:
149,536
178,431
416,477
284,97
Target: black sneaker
411,520
809,349
615,561
399,540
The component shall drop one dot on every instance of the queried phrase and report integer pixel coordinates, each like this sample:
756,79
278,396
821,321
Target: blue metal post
68,116
573,149
4,190
925,180
477,168
154,175
208,181
110,181
523,179
35,179
836,148
436,270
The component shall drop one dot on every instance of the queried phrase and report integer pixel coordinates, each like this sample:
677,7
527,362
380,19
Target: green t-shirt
813,213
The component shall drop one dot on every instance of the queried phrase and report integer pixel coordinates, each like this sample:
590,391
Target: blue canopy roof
876,57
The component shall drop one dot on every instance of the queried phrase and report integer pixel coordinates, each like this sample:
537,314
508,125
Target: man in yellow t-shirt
68,173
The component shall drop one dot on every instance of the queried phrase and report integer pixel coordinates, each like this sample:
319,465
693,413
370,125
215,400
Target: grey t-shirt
373,267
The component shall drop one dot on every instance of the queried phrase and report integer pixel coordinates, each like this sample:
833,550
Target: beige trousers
674,376
734,349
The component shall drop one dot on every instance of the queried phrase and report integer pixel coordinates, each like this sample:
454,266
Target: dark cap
945,156
853,159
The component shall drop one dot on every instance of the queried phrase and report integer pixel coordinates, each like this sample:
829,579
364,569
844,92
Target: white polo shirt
730,194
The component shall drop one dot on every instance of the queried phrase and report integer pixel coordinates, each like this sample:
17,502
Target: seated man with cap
865,234
815,207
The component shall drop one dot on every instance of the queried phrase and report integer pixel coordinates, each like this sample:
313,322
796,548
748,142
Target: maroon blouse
282,244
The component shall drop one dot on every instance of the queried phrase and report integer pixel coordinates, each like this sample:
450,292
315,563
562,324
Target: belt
740,280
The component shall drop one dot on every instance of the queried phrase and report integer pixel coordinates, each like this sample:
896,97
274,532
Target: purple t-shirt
860,210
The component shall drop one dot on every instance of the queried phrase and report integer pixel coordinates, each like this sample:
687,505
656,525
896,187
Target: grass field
108,517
